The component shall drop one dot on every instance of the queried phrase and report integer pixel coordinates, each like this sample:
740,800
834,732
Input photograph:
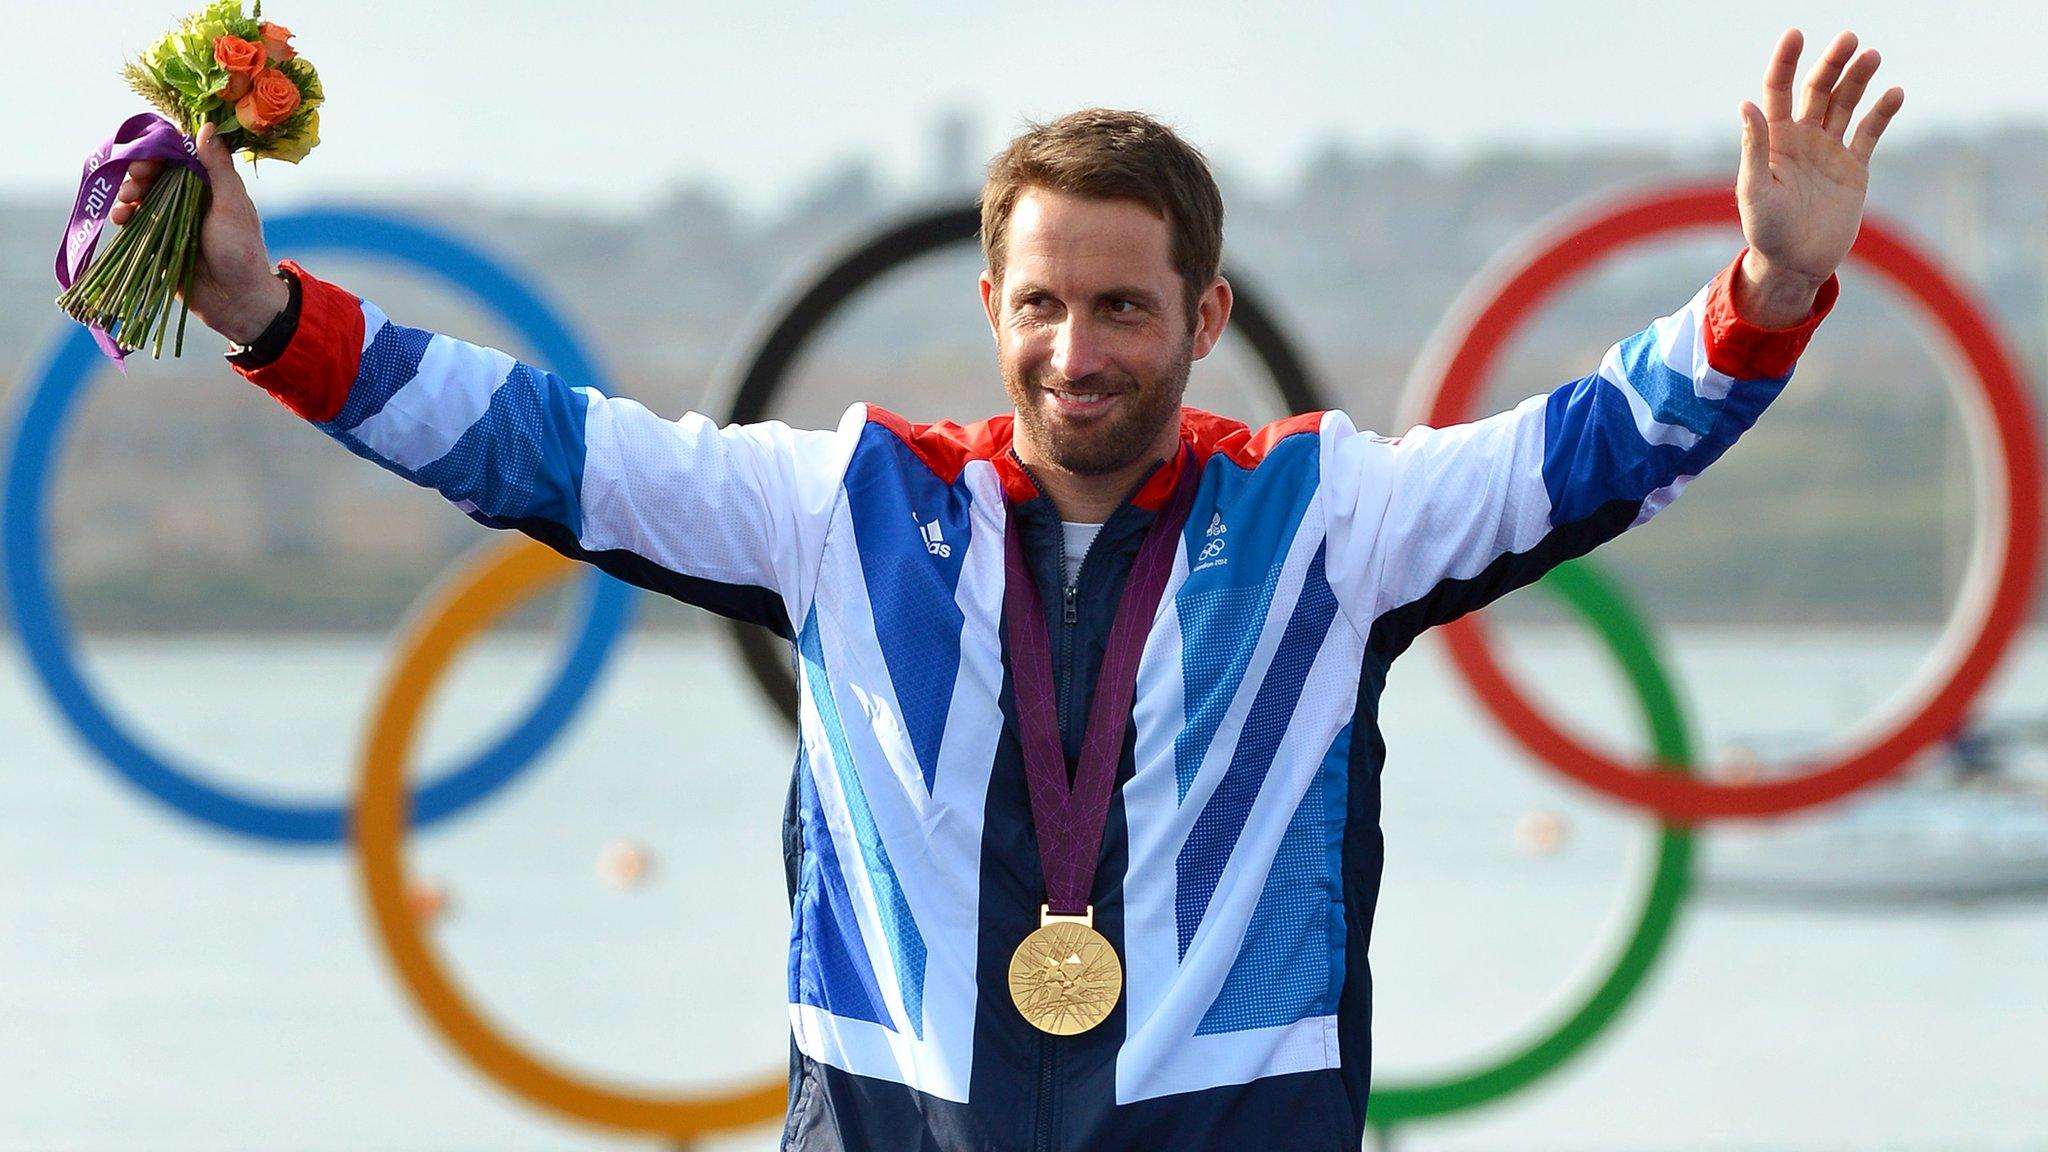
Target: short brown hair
1106,154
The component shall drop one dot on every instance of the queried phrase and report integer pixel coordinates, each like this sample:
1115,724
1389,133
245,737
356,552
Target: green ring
1629,640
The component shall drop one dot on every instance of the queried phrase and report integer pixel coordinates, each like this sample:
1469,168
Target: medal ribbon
1068,817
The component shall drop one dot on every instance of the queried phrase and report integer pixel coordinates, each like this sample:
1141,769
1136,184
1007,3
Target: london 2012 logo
1211,555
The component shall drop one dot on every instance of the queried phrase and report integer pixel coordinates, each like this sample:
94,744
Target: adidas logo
935,540
1216,525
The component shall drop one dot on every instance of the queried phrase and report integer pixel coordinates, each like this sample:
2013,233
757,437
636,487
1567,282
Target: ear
1211,315
991,302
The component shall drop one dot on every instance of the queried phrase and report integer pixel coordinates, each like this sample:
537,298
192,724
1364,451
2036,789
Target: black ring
918,236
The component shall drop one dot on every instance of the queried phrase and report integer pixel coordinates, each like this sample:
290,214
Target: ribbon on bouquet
145,136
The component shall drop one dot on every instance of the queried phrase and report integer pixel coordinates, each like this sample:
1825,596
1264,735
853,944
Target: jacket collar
1020,487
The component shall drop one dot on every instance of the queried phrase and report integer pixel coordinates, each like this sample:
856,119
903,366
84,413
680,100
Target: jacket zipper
1070,609
1042,1140
1069,616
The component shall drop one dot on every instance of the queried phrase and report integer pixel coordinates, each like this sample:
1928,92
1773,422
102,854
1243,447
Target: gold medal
1065,977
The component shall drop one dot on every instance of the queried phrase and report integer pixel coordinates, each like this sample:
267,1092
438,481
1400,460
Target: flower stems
130,289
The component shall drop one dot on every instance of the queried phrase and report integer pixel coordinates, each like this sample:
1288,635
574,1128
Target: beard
1104,448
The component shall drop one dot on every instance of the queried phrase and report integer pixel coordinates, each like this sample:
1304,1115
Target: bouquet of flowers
238,73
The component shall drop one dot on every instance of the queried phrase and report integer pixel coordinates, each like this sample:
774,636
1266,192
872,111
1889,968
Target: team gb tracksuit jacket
1242,855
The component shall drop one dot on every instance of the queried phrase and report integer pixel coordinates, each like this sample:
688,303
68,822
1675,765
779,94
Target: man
1085,842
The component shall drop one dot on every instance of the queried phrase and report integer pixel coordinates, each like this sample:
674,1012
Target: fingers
1820,83
1874,122
1849,93
1756,145
226,183
212,153
141,175
1778,75
1753,174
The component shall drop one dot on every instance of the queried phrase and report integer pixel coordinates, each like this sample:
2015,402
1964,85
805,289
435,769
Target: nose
1077,350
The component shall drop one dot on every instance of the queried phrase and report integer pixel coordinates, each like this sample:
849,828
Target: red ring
1448,383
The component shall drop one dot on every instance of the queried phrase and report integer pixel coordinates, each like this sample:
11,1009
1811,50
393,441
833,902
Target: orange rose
243,59
272,98
276,42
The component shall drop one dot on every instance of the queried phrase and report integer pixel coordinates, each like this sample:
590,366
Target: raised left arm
1441,521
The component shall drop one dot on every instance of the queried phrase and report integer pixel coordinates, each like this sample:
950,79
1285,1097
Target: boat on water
1966,825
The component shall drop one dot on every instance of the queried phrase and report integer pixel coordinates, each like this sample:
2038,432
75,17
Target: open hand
232,289
1801,186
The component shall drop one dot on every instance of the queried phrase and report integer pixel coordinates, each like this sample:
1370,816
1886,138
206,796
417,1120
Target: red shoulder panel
947,447
1237,442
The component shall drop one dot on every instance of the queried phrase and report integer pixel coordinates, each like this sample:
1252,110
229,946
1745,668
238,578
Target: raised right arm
732,519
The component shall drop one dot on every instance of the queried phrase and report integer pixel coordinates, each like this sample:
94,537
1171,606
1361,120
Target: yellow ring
464,606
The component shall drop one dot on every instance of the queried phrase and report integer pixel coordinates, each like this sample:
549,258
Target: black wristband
276,336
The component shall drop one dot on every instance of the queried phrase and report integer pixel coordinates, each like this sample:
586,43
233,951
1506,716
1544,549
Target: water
163,986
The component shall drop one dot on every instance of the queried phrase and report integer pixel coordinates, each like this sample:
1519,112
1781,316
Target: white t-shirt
1078,538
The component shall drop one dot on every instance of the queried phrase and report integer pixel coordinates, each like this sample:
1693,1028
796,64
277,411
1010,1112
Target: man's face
1092,330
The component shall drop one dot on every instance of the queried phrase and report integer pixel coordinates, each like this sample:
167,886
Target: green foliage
301,73
193,78
220,18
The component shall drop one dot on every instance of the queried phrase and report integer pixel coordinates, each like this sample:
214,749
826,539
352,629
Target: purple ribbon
144,136
1068,816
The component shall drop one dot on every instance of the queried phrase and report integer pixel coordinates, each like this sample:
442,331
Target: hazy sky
612,104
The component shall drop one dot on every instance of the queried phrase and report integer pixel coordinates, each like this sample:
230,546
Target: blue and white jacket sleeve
1438,522
730,518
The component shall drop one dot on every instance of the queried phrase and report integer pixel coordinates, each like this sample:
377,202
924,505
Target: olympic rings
1996,593
53,390
799,322
491,586
1600,604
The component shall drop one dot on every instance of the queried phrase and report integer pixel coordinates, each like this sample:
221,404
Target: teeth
1084,397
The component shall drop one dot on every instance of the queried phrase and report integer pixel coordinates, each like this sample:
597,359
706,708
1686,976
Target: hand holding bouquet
224,82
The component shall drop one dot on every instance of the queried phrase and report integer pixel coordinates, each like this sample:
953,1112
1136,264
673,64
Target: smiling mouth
1067,398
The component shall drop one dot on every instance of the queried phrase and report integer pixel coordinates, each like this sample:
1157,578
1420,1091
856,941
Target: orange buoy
428,901
1541,833
624,863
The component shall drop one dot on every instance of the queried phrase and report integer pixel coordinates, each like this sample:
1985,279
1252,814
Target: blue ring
52,392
